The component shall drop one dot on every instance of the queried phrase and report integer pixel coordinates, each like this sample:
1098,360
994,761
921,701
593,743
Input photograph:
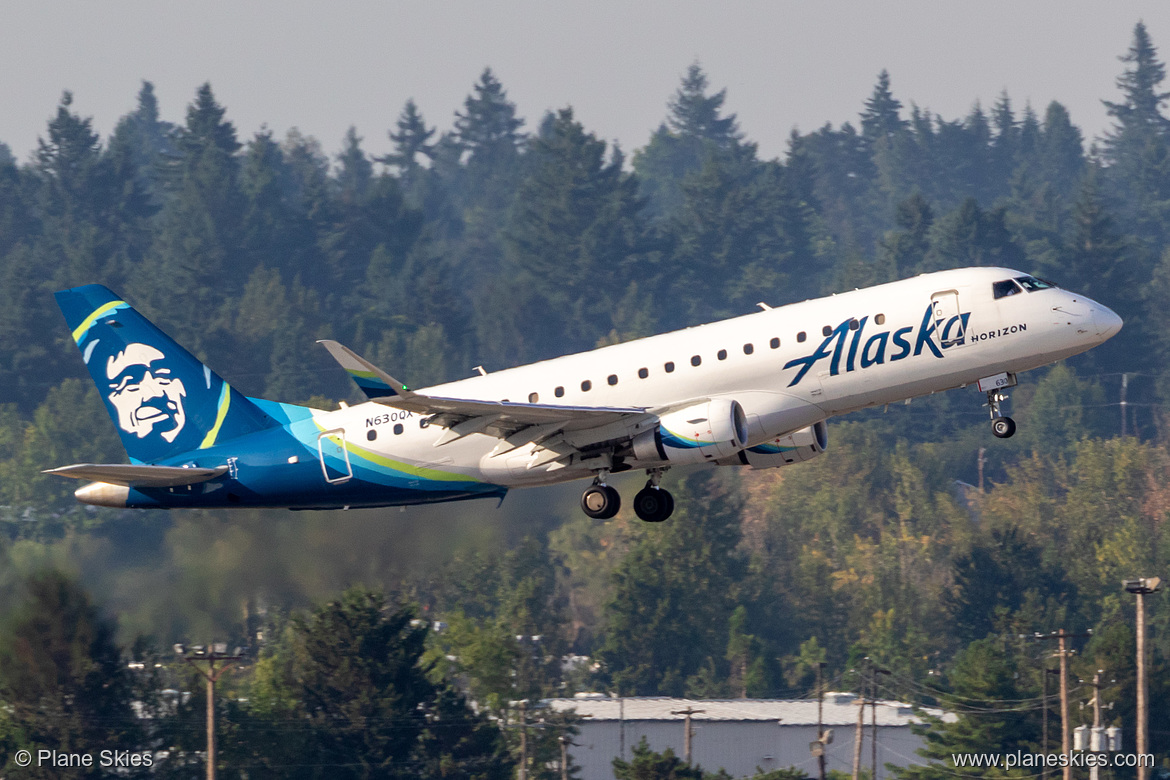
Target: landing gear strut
1002,426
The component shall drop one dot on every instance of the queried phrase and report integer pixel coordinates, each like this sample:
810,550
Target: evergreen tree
1139,115
62,678
69,160
741,231
197,255
667,614
411,141
149,141
695,129
352,673
489,138
571,240
355,171
904,249
995,580
985,684
648,765
971,236
695,114
1137,149
1005,143
881,117
1096,262
1061,153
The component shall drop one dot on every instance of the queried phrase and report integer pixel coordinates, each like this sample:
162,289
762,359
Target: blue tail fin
163,401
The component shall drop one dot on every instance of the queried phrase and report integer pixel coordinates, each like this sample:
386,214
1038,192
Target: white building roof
840,709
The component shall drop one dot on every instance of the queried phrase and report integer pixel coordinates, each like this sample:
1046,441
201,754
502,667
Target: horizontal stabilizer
134,475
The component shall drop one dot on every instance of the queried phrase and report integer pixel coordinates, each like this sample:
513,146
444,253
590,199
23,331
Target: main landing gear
600,501
1003,427
652,503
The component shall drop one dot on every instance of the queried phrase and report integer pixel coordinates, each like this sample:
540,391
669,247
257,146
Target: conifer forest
491,238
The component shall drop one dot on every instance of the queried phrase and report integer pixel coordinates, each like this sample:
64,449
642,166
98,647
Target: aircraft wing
137,475
516,423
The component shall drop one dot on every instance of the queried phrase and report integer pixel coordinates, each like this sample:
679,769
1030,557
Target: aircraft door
334,456
950,327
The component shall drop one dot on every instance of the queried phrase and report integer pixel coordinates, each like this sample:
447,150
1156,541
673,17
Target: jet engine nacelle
700,433
805,444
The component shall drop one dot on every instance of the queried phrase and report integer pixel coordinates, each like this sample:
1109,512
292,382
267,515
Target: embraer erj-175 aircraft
751,391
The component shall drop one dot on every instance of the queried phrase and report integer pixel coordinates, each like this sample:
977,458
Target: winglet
373,381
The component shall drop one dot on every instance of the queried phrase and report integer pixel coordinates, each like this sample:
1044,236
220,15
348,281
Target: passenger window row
697,360
667,367
372,434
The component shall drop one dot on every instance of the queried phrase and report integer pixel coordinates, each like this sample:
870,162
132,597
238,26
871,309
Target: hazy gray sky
322,67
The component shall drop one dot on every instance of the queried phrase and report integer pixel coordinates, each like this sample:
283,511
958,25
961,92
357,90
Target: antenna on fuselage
763,306
482,371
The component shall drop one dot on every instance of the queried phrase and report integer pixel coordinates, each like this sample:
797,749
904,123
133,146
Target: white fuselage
788,367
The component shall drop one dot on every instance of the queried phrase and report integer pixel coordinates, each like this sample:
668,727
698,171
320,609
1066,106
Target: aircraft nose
1107,321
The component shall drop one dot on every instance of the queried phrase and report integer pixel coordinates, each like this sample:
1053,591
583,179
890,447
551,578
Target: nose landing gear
1001,426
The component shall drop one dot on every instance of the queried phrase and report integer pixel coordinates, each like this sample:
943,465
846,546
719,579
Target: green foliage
62,678
666,617
648,765
351,675
986,673
694,130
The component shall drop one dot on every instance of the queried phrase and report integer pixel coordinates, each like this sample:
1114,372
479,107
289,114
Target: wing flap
137,475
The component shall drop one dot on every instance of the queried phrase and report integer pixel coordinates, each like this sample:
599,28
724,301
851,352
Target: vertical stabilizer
162,400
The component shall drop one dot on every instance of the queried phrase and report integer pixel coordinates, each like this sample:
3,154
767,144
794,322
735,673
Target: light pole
1140,587
195,655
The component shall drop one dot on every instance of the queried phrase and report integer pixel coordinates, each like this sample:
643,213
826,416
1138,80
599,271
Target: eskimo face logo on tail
849,347
147,397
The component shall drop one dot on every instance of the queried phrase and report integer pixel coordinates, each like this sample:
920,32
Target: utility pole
210,654
873,740
564,756
1141,587
1124,385
622,725
821,721
859,735
522,774
1095,739
1064,724
1044,720
1063,652
688,712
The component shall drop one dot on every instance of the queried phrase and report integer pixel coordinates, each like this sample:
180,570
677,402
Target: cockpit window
1034,283
1004,289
